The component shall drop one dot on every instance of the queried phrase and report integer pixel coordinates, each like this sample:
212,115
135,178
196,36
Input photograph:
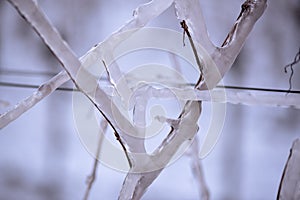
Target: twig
186,30
198,171
91,178
108,74
296,60
118,138
191,12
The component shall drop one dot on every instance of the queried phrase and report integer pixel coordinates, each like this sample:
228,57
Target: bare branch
290,180
291,65
200,66
191,12
92,177
198,171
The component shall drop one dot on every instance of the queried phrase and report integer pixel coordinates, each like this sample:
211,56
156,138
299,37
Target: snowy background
41,156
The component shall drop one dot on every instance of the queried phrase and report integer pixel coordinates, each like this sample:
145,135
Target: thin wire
21,85
28,73
258,89
11,72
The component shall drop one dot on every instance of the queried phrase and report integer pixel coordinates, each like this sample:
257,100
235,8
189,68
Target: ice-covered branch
43,91
135,184
146,12
290,181
147,167
182,130
259,98
84,81
197,170
191,12
225,55
29,10
139,118
143,14
251,11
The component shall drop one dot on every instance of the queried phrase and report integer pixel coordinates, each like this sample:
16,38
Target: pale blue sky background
41,156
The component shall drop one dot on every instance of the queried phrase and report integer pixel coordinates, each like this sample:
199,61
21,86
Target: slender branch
191,12
290,180
92,177
197,170
291,65
200,66
116,134
141,99
118,138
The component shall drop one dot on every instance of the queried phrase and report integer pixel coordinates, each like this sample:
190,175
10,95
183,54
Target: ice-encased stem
135,184
223,56
290,181
43,91
197,170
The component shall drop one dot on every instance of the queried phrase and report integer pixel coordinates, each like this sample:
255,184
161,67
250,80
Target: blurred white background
41,156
